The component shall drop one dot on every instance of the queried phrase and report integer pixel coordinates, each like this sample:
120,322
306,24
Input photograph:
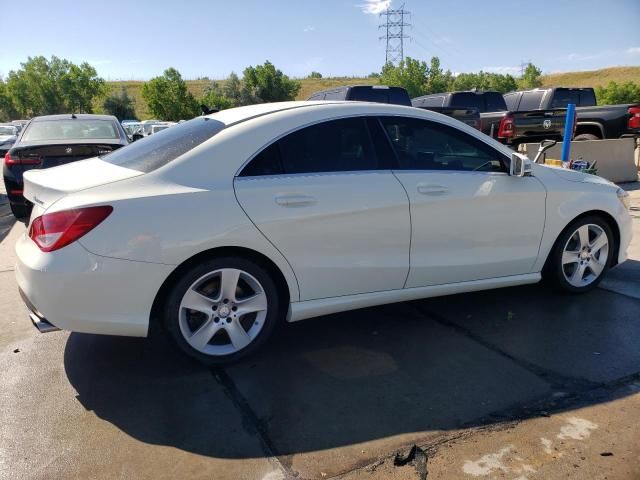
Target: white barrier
617,160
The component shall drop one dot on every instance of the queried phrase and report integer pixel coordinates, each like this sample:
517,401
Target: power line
394,33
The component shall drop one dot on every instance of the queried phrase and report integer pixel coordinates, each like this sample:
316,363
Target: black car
53,140
365,93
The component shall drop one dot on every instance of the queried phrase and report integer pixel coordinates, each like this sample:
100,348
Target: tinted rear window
494,102
467,99
163,147
396,96
72,129
580,98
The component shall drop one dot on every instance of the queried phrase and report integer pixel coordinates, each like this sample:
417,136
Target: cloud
503,69
444,40
581,57
308,29
634,50
374,7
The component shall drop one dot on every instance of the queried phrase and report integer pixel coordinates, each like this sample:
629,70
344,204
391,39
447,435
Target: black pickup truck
468,115
499,122
592,122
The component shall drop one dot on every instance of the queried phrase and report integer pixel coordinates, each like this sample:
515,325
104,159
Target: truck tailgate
539,123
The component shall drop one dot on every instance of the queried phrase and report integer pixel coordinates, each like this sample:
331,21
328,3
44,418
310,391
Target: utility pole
394,33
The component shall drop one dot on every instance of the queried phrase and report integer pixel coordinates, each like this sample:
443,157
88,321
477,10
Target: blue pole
568,131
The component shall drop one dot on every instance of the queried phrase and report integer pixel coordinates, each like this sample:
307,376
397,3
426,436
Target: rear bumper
73,289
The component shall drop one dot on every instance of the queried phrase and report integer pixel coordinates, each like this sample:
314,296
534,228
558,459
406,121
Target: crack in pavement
251,423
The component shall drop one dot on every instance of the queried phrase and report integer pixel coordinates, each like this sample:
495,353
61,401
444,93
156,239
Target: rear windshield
396,96
72,129
163,147
581,98
484,102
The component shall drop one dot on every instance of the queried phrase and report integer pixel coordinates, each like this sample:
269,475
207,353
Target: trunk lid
47,155
44,187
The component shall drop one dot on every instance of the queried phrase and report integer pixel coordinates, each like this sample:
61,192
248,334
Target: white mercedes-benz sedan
223,226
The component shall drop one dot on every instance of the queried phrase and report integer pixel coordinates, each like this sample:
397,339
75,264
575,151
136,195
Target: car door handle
429,189
295,200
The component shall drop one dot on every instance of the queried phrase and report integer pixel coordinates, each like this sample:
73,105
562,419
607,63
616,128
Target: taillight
634,118
9,160
53,231
506,128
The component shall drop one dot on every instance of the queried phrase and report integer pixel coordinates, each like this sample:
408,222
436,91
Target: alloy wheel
585,255
222,312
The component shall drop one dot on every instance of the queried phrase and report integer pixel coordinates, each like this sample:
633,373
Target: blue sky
138,40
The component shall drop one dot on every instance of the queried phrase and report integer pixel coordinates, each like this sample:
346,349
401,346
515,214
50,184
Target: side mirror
520,165
136,136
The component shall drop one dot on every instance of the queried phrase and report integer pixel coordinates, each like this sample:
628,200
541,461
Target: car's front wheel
222,310
581,256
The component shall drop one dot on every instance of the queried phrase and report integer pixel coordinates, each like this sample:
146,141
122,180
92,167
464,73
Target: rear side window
377,95
334,146
163,147
531,101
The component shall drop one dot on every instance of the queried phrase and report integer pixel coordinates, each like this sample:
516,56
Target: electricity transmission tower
394,33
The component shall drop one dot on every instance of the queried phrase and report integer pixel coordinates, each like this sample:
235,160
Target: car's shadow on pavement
6,217
413,368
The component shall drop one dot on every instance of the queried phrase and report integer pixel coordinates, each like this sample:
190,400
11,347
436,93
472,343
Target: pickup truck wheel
586,136
581,255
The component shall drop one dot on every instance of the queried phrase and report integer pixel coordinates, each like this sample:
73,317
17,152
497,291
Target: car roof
69,116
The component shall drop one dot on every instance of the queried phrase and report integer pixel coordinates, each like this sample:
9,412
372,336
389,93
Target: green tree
7,110
315,75
120,105
80,84
167,97
268,84
615,93
437,80
531,77
214,97
484,81
51,86
410,74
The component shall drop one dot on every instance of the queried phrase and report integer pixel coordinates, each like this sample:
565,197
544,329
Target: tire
570,254
586,136
231,335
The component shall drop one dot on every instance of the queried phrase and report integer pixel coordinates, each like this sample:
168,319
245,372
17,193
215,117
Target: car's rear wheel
581,256
586,136
222,310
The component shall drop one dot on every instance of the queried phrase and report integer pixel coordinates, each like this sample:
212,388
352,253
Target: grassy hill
592,78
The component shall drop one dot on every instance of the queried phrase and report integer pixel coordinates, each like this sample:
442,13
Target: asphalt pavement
518,383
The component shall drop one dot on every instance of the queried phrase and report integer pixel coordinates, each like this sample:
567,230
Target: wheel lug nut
228,320
225,301
216,319
215,307
234,308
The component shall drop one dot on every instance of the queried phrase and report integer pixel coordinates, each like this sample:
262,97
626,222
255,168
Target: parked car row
512,118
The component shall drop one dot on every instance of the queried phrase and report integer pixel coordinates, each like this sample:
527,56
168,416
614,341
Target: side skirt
325,306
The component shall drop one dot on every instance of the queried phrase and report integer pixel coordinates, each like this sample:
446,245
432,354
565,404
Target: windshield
6,130
163,147
72,129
